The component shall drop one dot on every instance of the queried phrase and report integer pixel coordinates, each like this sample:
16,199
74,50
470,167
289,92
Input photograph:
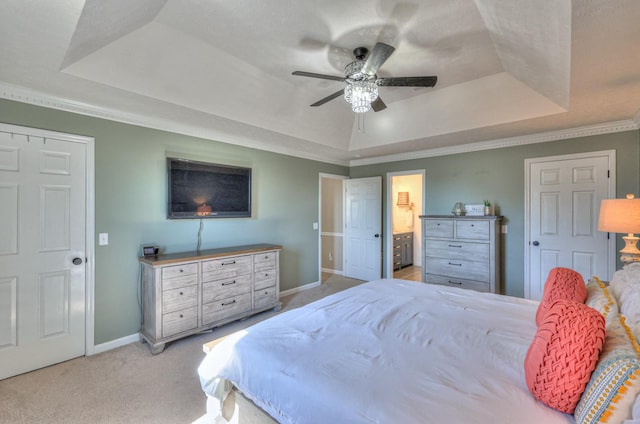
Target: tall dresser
462,251
186,293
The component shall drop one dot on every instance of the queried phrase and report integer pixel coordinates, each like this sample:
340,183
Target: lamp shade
620,215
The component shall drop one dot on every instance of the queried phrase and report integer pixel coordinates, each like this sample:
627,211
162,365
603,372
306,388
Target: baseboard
299,289
332,271
122,341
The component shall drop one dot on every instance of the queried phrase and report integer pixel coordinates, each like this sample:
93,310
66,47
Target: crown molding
29,96
24,95
605,128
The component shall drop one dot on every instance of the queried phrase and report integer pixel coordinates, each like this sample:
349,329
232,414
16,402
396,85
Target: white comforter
388,351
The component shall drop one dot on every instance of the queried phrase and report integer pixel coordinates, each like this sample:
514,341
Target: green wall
130,205
130,196
498,175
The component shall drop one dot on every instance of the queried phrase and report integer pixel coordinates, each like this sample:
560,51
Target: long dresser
462,251
186,293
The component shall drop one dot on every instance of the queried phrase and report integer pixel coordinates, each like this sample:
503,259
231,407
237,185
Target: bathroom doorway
405,204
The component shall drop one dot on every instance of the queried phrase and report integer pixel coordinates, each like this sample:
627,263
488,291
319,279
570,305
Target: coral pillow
562,283
564,353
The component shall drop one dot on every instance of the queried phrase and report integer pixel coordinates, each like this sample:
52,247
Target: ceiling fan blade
321,76
408,81
377,57
377,105
328,98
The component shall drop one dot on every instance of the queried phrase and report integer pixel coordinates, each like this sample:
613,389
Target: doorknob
535,243
377,235
77,261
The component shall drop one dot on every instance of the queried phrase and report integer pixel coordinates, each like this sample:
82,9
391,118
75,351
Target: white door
42,227
362,232
563,206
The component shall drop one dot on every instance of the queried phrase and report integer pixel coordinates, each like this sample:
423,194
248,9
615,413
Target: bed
386,351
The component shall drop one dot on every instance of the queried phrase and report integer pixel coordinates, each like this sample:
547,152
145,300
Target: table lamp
622,216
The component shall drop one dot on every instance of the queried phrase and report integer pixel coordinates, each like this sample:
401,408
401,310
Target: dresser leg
157,348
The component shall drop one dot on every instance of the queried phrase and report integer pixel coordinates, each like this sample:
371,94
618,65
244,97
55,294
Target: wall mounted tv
207,190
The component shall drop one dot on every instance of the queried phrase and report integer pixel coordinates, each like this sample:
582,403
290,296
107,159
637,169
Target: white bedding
388,351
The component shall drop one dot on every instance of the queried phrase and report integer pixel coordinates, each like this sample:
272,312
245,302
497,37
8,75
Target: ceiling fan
361,89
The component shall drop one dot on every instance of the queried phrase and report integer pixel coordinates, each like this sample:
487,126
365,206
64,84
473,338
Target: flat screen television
207,190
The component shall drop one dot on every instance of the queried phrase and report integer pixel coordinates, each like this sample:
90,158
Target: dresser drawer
265,274
181,298
269,257
226,308
457,250
222,289
179,321
457,282
442,228
177,282
264,283
265,298
226,268
458,268
473,229
179,270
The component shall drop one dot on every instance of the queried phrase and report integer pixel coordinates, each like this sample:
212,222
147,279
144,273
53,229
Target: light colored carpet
128,384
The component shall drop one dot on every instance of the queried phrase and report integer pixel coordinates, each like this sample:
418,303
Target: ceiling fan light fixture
361,94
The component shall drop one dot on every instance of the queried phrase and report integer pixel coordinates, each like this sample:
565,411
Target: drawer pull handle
451,263
454,282
453,245
266,275
181,316
229,303
228,284
181,293
181,270
229,263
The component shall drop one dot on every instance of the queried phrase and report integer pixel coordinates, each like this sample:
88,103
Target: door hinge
608,174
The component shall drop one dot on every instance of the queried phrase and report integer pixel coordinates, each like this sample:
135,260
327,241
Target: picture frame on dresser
462,251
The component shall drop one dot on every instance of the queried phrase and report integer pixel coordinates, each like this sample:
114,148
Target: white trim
29,96
605,128
611,189
90,250
299,289
388,258
113,344
331,234
332,271
89,217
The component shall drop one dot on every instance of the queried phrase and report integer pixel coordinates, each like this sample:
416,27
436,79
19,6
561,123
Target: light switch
103,239
504,229
315,225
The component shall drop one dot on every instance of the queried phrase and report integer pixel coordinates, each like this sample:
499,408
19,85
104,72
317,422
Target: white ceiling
222,69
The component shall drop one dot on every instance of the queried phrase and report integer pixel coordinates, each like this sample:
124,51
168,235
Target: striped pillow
615,382
600,299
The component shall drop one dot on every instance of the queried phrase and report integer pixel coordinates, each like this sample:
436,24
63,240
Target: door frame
611,191
89,219
388,225
322,175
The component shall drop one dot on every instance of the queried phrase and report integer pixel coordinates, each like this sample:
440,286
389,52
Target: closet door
42,251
